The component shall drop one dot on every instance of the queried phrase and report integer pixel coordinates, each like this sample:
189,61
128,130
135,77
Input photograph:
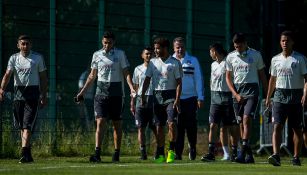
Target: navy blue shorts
143,117
248,107
293,112
222,115
164,113
108,107
25,113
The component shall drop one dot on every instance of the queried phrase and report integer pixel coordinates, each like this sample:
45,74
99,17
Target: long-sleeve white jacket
192,80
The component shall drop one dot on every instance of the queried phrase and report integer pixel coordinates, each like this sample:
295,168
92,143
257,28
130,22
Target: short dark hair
163,42
24,37
179,39
239,38
287,33
218,48
108,34
147,48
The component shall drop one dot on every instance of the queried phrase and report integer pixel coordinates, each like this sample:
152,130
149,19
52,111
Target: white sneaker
225,158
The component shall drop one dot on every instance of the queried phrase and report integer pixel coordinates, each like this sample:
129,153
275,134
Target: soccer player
111,66
166,73
143,114
289,80
30,90
247,68
191,99
221,108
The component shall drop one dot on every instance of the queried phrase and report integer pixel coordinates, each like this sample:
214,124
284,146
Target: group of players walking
168,90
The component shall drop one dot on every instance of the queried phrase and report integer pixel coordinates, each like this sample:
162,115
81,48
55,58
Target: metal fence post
189,10
147,16
52,75
101,14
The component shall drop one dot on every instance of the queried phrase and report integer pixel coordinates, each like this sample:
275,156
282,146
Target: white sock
226,151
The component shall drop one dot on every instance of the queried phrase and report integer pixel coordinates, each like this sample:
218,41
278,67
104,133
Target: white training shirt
164,73
139,77
26,69
218,77
290,71
245,68
110,65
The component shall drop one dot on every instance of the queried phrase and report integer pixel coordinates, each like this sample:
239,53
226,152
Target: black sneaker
240,158
178,157
115,157
249,159
24,159
274,160
296,161
95,158
208,158
192,154
233,157
143,155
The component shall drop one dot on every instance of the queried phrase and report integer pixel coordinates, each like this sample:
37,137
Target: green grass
131,165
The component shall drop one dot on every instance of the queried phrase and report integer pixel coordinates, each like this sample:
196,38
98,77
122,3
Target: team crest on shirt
250,60
189,62
169,68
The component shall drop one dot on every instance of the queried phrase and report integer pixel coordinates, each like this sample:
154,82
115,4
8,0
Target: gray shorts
248,107
108,107
293,112
143,117
25,113
164,113
222,115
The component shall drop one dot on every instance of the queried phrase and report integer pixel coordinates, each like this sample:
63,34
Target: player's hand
43,102
268,102
177,106
79,98
303,101
239,98
200,104
1,94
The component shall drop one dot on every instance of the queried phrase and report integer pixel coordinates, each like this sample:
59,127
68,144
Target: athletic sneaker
143,155
115,157
233,157
192,154
170,156
241,157
225,158
274,160
249,159
208,158
160,159
25,159
178,157
95,158
296,161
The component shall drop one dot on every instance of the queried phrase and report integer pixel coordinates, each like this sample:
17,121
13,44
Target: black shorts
108,107
222,115
143,117
25,113
164,113
293,112
248,107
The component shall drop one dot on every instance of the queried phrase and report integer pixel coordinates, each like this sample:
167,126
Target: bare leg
117,133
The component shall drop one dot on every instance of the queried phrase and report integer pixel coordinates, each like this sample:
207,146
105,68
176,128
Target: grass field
133,166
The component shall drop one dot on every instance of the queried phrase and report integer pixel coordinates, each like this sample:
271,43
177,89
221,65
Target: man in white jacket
191,99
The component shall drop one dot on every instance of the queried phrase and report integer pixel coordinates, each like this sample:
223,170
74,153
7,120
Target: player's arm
144,89
178,93
128,79
199,83
133,98
5,81
43,87
271,87
89,81
305,90
263,80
